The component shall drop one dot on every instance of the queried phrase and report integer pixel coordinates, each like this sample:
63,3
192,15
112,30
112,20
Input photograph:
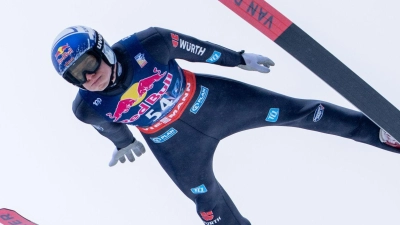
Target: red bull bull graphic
178,109
62,53
123,107
137,93
148,83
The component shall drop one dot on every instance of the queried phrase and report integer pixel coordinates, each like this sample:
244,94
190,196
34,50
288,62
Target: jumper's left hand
256,62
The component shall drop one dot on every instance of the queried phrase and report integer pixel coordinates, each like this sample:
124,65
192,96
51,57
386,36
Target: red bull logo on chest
137,95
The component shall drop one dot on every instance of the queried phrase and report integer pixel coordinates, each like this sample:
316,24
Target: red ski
10,217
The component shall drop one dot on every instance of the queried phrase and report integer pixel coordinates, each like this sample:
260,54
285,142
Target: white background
54,169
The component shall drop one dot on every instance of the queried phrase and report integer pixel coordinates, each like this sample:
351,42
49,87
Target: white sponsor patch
319,112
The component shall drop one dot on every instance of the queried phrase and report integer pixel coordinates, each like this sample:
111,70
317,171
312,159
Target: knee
205,202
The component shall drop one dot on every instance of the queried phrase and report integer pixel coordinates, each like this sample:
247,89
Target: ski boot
386,138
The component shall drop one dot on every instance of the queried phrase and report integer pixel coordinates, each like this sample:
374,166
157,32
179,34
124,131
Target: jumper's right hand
137,147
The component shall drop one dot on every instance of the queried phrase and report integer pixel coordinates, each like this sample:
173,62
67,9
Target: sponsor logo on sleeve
273,115
175,40
141,60
190,47
97,127
319,112
214,57
165,136
199,190
200,100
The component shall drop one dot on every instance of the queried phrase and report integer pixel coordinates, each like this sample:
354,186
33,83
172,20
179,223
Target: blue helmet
71,48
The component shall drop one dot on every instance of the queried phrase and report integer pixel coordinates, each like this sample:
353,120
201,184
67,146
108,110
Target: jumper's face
99,80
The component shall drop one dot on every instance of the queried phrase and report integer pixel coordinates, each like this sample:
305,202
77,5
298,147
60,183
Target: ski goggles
87,63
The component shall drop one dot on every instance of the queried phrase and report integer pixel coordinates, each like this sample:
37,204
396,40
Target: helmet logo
99,41
62,53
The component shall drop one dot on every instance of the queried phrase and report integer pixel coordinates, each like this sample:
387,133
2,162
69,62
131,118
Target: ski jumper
183,115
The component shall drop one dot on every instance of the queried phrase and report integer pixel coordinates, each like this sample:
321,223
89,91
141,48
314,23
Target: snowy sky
54,169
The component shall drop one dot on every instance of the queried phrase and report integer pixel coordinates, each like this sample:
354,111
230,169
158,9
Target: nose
89,76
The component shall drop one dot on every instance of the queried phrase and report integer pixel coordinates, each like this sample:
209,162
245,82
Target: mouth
95,82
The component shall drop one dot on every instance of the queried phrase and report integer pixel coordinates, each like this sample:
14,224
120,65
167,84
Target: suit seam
199,130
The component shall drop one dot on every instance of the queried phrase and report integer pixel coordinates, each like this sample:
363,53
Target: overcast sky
54,169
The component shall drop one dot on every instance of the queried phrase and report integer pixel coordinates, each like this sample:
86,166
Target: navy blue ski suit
183,115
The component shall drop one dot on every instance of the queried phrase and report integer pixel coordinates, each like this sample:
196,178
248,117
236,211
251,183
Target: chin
98,88
103,87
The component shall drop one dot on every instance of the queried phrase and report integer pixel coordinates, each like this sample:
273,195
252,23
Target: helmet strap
115,75
113,79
